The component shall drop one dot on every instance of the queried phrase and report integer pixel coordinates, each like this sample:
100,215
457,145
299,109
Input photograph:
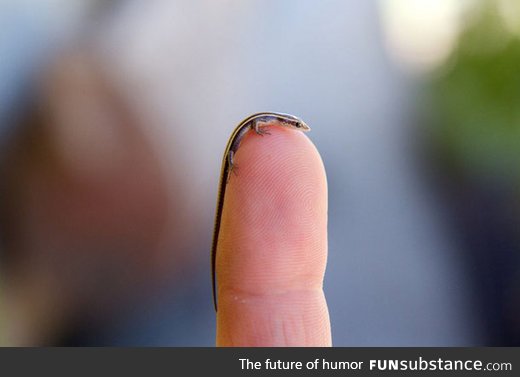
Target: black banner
260,361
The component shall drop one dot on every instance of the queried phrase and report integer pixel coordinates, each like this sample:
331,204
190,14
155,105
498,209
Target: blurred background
114,116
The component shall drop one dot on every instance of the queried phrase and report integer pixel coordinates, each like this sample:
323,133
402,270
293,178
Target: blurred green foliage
476,95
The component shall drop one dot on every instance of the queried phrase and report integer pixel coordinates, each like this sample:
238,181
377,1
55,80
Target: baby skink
258,123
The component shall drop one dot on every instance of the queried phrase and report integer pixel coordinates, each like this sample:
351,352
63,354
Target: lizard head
296,123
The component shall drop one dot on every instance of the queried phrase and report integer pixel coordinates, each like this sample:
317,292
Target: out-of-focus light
421,33
510,12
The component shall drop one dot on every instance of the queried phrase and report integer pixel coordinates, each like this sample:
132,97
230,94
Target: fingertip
272,246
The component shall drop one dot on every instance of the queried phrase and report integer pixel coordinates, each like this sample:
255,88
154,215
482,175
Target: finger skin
272,247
